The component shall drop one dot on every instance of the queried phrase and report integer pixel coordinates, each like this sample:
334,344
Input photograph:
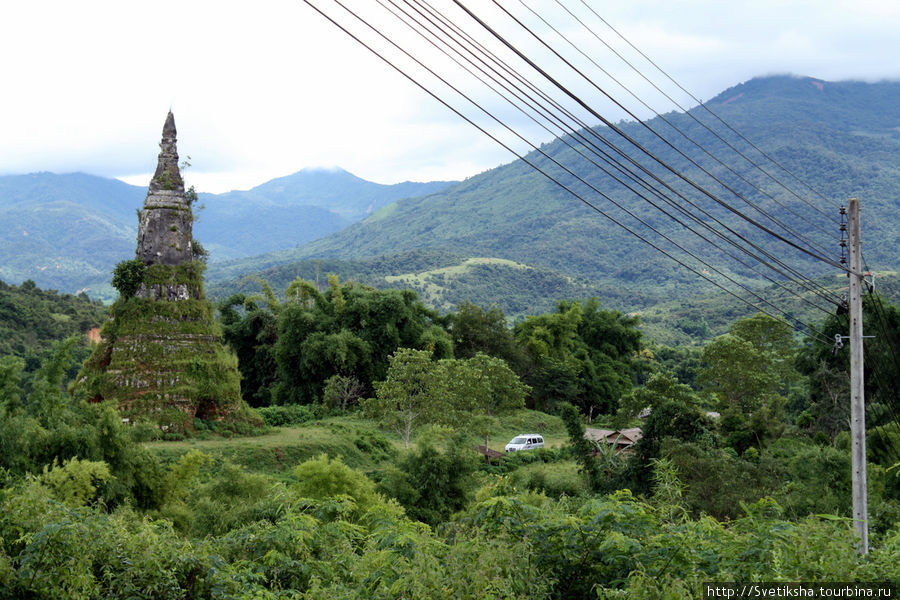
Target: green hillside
443,280
65,231
290,211
843,138
32,319
68,231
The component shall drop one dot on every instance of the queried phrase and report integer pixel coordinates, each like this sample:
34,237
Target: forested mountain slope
841,138
68,231
290,211
65,231
32,319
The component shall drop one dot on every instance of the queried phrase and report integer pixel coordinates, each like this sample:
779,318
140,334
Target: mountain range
67,231
513,236
516,237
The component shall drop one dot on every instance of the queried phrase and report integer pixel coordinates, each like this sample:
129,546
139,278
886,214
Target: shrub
74,481
432,484
555,480
128,277
323,478
289,414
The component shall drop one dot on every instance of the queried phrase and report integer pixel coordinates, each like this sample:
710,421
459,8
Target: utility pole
857,397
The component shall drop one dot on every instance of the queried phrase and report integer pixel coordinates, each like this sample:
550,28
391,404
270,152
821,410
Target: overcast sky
264,89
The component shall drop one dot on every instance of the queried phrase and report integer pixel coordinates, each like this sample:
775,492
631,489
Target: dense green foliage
47,428
227,533
128,277
827,368
32,319
430,482
581,354
164,361
341,511
350,329
475,329
252,336
336,345
418,391
750,371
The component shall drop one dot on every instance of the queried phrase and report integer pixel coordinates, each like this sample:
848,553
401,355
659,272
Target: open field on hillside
357,441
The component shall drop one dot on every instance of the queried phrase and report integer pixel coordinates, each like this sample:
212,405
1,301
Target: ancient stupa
161,357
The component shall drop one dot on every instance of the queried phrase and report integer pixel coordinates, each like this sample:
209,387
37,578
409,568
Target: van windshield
519,440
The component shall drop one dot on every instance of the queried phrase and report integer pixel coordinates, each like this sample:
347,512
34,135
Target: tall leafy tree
749,370
348,330
475,329
486,388
580,354
828,368
410,396
674,413
251,330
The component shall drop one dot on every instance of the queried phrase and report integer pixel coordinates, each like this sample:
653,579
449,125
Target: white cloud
264,90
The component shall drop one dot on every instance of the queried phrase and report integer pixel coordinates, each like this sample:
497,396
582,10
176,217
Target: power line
480,128
624,135
621,133
705,107
804,282
682,133
566,129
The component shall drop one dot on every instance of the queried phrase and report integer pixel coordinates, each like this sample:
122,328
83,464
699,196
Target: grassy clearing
550,427
358,442
455,269
433,283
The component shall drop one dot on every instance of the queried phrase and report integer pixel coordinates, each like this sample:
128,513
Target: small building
622,439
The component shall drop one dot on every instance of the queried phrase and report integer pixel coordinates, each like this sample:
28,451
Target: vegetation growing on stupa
162,357
164,360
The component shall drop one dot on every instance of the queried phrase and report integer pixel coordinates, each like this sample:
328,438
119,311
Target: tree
774,338
409,396
252,336
342,391
660,389
347,330
749,370
488,389
580,354
128,277
828,368
430,483
477,330
674,413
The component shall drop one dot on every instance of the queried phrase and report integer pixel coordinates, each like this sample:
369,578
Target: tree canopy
580,354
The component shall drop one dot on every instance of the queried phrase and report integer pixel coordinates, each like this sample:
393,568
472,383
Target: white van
525,441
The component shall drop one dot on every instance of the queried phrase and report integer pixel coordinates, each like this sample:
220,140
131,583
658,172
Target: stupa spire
168,175
165,228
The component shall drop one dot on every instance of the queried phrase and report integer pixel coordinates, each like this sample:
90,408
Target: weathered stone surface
165,225
168,175
170,292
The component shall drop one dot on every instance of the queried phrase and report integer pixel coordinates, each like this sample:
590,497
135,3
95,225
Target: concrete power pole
857,397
